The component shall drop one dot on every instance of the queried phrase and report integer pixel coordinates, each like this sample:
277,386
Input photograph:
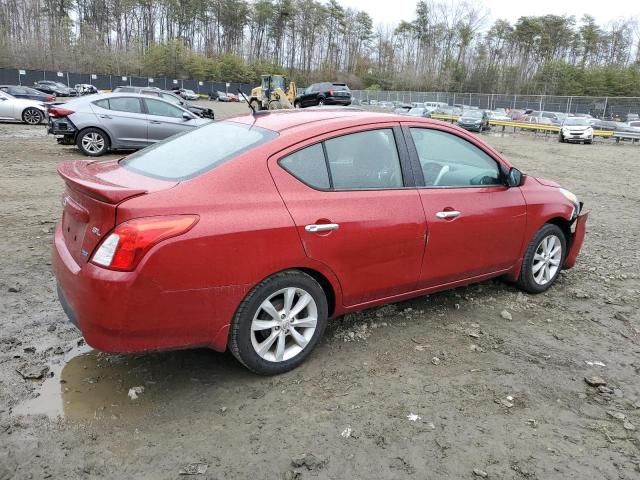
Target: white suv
576,129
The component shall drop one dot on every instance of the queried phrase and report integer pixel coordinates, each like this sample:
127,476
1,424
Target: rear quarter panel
244,235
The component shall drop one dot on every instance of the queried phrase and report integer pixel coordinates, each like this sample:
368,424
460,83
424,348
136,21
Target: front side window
364,160
162,109
125,104
450,161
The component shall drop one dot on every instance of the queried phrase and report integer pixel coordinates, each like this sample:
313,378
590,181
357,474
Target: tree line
447,47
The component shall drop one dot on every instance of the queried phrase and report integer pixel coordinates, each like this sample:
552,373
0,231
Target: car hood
470,119
578,128
547,183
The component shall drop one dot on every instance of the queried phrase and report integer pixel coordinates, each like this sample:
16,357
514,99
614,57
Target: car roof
283,120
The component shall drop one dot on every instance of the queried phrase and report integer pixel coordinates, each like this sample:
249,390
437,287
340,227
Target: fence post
606,102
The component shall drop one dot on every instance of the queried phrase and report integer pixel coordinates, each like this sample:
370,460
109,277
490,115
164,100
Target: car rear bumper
578,233
127,312
337,100
61,126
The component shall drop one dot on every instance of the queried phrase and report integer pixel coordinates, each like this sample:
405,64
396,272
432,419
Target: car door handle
448,214
105,116
323,227
155,122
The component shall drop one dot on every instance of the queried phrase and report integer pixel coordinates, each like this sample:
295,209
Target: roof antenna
253,110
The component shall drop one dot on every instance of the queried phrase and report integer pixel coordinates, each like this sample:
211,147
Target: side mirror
186,116
514,177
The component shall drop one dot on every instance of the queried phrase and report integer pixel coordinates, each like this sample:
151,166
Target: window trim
417,167
401,147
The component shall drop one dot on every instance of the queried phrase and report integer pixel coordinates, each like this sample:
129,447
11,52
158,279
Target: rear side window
196,151
363,160
125,104
309,166
102,103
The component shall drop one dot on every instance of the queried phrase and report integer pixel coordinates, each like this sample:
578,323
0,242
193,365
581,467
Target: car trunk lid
93,191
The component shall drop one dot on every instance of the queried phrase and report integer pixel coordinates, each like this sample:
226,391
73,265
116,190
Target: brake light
130,241
331,93
59,112
50,98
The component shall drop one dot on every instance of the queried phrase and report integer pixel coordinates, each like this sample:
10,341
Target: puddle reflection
90,385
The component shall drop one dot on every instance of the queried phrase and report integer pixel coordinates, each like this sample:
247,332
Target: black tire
296,105
241,335
32,116
560,138
102,142
589,142
527,281
256,105
321,102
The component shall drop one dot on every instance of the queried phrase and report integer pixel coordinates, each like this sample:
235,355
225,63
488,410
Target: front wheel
321,102
32,116
560,138
279,323
543,259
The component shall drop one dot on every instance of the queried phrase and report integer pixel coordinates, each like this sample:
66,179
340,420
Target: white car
28,111
576,129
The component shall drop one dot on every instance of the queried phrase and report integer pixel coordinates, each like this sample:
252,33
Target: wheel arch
75,138
326,285
41,110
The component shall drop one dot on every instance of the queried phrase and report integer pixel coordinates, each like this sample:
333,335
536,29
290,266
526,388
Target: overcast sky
391,12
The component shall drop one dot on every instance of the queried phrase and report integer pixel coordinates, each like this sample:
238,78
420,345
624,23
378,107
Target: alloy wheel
284,324
32,116
93,142
546,260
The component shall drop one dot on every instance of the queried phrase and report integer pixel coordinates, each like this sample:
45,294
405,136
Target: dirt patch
507,395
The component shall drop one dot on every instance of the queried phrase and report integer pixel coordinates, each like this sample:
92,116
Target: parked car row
58,89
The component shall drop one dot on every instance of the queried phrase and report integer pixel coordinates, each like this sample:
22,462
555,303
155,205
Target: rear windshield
191,153
339,87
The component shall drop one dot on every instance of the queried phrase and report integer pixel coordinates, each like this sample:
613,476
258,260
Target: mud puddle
93,386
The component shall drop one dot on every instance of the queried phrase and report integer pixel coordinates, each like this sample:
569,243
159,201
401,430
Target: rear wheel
93,142
543,259
32,116
279,323
321,102
296,104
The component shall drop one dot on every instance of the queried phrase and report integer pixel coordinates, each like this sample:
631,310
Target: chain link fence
11,76
600,107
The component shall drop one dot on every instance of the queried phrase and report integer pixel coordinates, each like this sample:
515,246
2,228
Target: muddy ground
432,388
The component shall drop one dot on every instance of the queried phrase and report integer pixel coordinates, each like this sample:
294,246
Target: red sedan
250,233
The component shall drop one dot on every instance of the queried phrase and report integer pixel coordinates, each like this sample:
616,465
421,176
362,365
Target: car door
309,97
475,223
353,210
166,119
6,106
124,120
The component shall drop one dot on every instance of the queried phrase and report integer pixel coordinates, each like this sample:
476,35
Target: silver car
118,121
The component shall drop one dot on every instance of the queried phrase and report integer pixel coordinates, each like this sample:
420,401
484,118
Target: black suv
325,93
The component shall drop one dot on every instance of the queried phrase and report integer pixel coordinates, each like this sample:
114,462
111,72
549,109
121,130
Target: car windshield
472,114
62,85
576,122
194,152
416,111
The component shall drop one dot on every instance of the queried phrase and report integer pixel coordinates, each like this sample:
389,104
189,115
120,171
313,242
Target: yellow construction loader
272,93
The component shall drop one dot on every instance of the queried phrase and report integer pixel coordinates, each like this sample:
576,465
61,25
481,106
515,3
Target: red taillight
123,248
59,112
331,93
50,98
